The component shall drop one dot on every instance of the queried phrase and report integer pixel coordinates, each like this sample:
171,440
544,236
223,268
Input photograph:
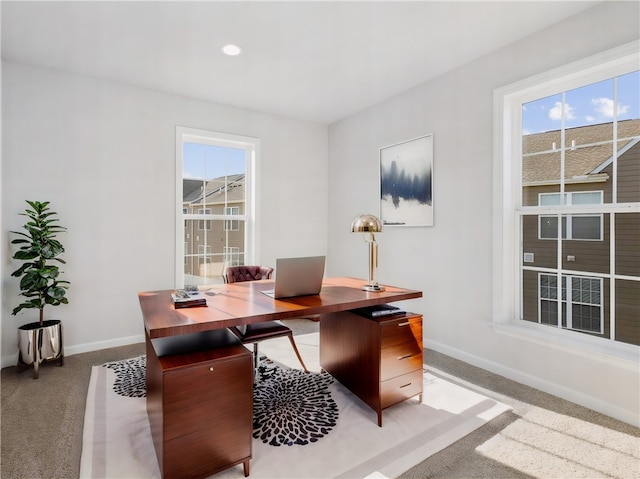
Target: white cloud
604,106
555,113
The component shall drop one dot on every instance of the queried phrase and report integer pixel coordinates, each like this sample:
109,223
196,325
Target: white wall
103,154
451,262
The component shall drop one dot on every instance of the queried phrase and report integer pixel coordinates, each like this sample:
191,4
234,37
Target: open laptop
297,277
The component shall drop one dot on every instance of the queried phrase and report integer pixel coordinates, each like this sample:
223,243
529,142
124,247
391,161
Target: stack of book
188,299
379,311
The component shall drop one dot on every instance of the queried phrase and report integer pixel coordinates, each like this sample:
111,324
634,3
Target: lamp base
372,287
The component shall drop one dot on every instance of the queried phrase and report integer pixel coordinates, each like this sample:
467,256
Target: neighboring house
585,249
211,244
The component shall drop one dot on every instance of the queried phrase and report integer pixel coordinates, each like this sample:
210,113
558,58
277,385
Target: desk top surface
244,303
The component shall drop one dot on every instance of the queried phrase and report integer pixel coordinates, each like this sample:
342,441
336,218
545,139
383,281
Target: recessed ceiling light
231,50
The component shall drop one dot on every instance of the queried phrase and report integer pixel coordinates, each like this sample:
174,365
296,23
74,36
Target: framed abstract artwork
406,183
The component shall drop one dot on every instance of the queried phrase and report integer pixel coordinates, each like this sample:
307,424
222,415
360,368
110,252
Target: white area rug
117,439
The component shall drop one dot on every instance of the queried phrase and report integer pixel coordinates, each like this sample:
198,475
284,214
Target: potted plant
40,284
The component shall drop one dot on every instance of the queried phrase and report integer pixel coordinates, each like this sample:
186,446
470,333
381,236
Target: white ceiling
319,61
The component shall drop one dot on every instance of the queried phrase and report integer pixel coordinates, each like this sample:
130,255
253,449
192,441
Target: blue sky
588,105
207,162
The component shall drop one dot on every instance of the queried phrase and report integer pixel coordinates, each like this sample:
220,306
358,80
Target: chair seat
260,331
254,333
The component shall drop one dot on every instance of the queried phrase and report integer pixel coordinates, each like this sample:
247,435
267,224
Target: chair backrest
236,274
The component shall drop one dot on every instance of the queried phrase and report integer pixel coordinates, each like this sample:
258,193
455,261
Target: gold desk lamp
369,224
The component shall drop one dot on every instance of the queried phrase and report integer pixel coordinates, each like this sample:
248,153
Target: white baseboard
630,417
12,360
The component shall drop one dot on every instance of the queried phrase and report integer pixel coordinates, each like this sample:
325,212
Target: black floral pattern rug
290,407
130,377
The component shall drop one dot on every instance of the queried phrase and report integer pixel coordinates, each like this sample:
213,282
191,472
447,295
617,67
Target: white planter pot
37,343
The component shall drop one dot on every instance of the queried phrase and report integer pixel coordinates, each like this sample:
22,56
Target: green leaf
25,255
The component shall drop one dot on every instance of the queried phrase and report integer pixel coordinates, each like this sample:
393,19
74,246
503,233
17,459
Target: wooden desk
243,303
186,343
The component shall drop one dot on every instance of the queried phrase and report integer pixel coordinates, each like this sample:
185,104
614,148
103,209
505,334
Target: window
567,159
232,225
232,255
574,227
204,224
578,307
216,207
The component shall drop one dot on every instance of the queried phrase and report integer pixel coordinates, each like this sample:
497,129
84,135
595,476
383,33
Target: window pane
541,116
584,249
548,227
539,241
548,286
540,172
629,97
586,228
540,147
549,199
208,252
586,318
586,198
549,312
627,308
586,307
628,155
628,244
593,106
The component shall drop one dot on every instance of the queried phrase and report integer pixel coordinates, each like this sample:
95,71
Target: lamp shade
366,224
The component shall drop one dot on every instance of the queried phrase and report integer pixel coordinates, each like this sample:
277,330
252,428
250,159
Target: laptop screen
298,277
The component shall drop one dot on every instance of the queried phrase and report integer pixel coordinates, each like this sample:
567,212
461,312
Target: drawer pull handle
404,386
211,368
404,357
406,323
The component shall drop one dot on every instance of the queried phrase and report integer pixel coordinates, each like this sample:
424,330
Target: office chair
254,333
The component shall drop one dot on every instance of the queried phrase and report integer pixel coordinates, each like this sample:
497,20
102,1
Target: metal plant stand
39,343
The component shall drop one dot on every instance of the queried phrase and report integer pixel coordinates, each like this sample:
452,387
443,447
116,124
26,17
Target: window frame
251,216
507,200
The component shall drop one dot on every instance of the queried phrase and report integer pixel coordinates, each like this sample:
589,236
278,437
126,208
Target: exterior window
232,256
215,174
578,307
232,225
568,162
574,227
204,224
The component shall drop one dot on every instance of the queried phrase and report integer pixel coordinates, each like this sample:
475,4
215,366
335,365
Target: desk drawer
206,452
401,346
400,388
208,395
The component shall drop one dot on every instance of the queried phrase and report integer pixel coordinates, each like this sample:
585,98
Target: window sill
620,355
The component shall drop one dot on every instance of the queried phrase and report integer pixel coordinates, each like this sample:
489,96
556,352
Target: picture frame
406,182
